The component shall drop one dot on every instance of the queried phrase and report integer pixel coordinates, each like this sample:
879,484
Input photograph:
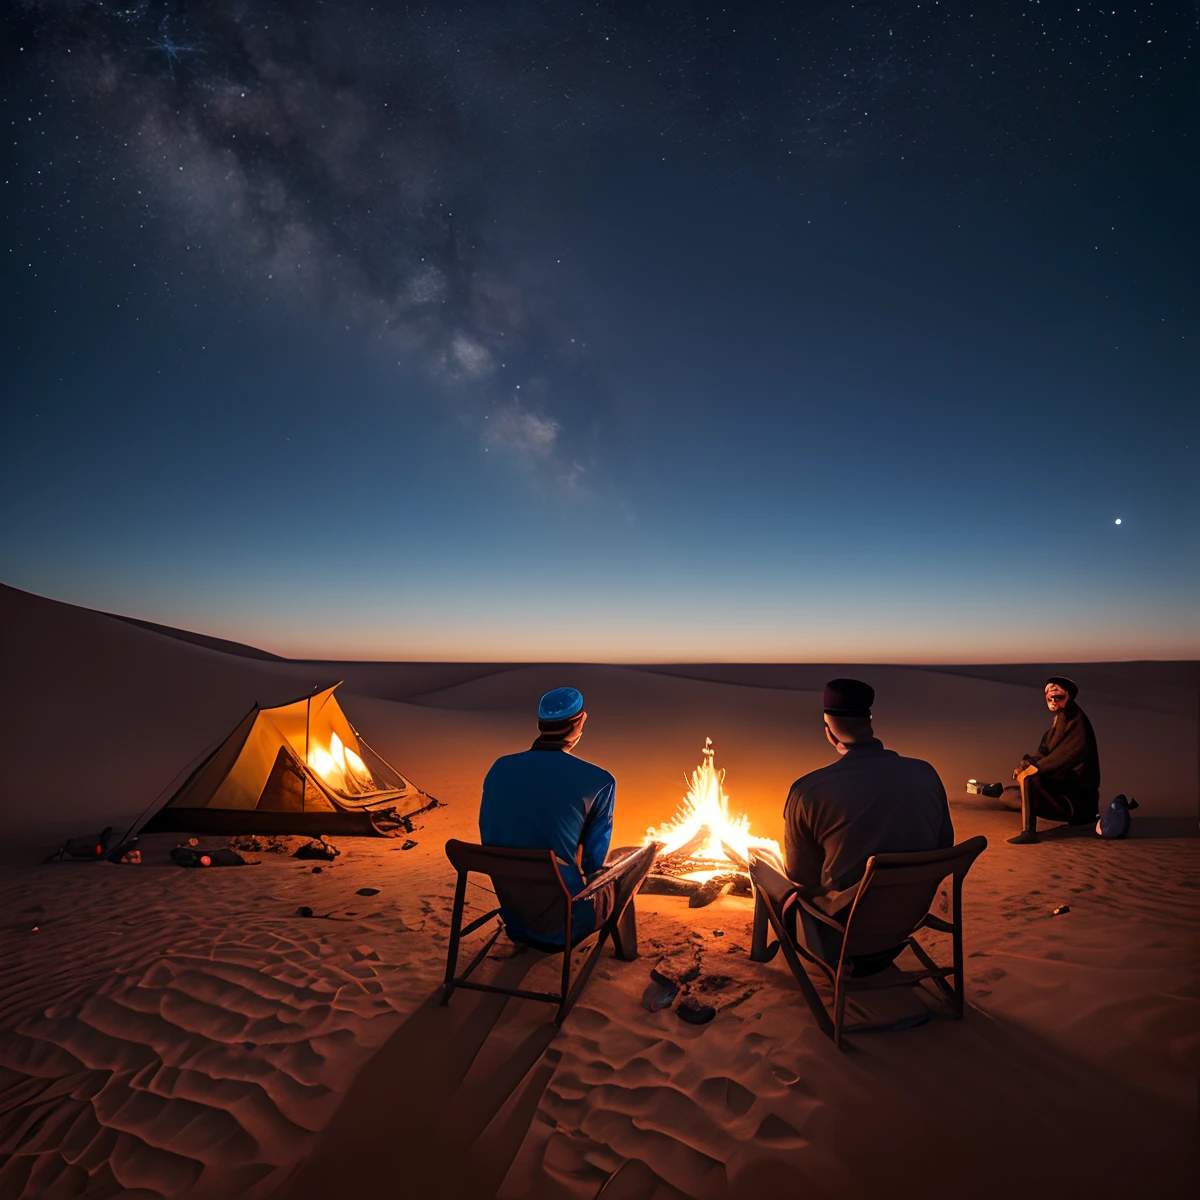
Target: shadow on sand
442,1107
1141,829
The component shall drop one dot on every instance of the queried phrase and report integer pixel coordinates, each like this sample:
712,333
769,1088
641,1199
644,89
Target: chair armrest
613,873
597,884
762,854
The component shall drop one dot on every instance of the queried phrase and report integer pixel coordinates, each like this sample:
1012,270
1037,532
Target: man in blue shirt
546,799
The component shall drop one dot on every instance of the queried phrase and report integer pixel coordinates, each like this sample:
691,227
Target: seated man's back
539,801
546,799
871,801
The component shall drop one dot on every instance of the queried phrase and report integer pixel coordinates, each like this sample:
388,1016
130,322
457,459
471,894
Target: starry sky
617,332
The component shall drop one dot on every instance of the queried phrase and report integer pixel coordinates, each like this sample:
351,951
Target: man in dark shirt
871,801
1061,782
546,799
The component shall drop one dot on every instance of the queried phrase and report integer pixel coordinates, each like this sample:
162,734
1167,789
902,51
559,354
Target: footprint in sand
778,1133
719,1092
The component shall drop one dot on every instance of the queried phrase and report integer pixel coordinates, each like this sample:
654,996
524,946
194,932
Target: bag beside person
1115,820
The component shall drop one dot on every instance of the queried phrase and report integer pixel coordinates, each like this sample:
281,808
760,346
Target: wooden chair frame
779,913
541,866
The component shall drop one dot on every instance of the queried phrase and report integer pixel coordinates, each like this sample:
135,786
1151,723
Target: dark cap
849,698
1068,685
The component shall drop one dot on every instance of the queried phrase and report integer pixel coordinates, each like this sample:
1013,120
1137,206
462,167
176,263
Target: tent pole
304,776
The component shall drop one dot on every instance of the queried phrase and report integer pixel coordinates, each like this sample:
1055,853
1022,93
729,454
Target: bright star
173,50
1117,521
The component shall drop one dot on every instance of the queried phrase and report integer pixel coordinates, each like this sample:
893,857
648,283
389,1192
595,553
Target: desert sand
179,1033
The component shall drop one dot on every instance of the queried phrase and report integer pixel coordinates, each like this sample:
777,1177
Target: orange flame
340,767
706,806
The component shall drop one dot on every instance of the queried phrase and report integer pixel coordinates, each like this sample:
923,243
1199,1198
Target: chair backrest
896,892
528,883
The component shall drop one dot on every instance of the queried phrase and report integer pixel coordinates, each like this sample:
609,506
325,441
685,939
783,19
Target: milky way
363,163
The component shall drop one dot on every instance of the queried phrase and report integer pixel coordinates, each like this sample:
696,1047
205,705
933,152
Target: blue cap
560,705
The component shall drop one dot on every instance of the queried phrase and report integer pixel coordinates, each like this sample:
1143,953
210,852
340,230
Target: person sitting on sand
547,799
1062,781
871,801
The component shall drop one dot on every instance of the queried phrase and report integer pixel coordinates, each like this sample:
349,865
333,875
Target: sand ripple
167,1053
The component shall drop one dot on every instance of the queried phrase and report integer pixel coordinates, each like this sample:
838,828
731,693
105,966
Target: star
173,50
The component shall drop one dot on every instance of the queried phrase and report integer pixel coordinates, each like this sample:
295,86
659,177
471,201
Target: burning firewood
708,891
732,854
681,860
706,849
668,885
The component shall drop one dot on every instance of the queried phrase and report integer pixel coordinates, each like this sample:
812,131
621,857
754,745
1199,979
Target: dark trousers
1057,798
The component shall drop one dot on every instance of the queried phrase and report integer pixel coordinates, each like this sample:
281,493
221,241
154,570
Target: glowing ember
703,833
340,767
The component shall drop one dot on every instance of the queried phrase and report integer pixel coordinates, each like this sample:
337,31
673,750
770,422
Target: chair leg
624,927
625,939
809,992
959,982
460,893
568,1001
928,963
762,950
839,1010
564,986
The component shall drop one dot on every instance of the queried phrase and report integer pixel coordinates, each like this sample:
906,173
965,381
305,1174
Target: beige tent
296,768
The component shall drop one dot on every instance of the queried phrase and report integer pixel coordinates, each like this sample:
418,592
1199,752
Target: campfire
705,850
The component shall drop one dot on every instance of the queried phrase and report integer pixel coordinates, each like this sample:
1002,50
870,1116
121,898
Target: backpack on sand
1114,821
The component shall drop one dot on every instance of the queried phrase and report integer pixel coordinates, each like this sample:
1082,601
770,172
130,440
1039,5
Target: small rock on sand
318,849
673,971
660,992
695,1013
367,892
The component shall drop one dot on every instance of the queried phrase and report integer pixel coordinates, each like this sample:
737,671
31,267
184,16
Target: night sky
793,331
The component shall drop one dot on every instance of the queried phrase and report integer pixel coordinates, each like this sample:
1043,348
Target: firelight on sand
340,766
715,841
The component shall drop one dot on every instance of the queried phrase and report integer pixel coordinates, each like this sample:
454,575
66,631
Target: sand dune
173,1033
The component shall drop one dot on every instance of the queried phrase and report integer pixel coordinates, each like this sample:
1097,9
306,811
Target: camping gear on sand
985,789
299,767
190,856
126,852
528,882
90,849
891,904
1114,821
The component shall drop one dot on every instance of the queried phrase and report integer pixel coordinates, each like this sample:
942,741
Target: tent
295,768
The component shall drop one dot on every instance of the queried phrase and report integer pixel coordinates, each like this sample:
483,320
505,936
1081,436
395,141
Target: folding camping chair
890,906
529,883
